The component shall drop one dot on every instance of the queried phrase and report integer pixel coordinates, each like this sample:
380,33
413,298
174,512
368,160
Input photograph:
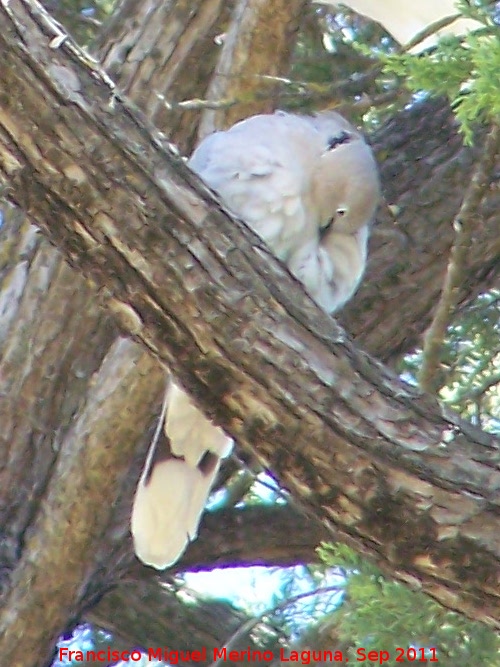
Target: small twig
196,104
367,102
489,383
299,90
464,225
237,488
253,622
69,14
158,430
429,30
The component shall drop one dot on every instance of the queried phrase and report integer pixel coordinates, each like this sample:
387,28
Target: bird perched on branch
308,185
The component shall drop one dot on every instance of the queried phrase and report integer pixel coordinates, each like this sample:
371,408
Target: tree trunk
257,49
161,53
264,367
46,300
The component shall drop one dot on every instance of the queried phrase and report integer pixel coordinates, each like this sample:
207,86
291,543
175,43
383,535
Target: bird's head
346,188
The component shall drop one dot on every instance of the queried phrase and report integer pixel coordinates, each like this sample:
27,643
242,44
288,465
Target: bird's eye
343,138
339,213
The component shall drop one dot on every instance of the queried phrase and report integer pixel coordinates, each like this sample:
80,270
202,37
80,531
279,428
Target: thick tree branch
54,315
417,491
253,536
161,53
60,548
131,613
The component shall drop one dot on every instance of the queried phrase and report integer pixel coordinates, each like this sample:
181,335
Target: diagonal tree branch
161,53
61,544
67,333
144,609
416,490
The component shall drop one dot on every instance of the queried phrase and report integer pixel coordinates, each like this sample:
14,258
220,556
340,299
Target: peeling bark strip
375,460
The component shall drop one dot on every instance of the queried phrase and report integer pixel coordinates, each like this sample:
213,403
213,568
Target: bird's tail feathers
179,472
167,509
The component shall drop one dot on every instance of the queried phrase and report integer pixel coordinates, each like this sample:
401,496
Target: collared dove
405,20
308,185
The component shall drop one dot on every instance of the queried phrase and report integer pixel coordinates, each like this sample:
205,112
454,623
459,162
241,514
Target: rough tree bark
161,53
190,626
259,357
258,28
424,166
144,609
41,272
425,137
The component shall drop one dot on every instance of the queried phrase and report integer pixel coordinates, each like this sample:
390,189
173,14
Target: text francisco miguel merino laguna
246,655
221,654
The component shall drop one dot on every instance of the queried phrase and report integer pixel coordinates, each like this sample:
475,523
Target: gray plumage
308,185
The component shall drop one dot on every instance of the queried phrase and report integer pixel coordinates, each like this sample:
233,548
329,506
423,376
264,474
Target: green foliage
471,363
356,59
382,615
464,70
305,597
476,9
330,70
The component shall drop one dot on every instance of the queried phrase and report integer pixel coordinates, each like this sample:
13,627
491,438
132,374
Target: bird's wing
255,170
190,433
332,270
